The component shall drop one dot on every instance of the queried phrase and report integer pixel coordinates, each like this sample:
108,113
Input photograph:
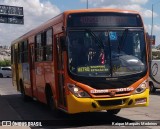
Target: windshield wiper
101,45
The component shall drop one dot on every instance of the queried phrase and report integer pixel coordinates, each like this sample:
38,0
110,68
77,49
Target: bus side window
38,48
48,49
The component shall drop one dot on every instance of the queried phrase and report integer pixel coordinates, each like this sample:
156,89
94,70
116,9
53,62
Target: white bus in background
154,80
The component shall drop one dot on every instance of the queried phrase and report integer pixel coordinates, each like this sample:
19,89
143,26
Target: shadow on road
36,111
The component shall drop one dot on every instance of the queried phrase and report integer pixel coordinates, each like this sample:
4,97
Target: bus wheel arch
152,89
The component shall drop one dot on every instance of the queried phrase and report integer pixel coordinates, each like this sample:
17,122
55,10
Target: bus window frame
23,51
42,48
38,48
46,45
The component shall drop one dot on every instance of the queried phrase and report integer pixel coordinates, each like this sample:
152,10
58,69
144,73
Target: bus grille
111,102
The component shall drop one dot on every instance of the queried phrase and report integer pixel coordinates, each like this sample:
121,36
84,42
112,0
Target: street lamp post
152,17
150,43
152,23
152,26
87,4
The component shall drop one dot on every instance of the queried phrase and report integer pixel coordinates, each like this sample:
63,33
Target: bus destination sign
104,20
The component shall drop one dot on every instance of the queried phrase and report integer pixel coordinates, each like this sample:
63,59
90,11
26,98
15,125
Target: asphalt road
12,107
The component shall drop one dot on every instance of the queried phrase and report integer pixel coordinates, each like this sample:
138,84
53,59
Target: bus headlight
141,88
77,91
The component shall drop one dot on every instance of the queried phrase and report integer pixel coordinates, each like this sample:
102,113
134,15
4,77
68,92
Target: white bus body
154,79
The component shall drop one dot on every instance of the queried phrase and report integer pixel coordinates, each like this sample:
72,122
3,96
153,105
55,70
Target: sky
37,12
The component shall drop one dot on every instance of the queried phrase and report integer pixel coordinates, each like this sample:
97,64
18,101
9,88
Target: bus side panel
40,82
26,79
49,75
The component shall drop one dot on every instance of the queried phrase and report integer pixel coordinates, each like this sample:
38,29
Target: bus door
32,70
60,73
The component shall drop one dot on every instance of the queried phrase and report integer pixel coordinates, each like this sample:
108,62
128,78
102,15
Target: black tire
152,89
1,75
113,112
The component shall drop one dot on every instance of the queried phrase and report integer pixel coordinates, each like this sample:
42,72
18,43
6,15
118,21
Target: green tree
4,63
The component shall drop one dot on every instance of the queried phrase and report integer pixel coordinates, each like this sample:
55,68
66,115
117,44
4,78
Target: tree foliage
4,63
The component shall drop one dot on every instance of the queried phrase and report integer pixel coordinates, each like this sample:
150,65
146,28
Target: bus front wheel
113,112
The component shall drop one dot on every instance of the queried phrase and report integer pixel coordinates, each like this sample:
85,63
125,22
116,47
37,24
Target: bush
4,63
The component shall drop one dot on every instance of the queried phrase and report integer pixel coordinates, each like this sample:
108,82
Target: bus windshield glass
106,53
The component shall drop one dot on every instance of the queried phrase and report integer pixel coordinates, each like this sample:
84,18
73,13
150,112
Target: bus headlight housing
141,88
77,91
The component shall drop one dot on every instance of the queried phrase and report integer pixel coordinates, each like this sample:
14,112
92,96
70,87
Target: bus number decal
94,91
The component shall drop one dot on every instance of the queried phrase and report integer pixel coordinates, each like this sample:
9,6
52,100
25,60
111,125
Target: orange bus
83,61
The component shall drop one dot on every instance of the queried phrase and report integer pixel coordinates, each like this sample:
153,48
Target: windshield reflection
106,53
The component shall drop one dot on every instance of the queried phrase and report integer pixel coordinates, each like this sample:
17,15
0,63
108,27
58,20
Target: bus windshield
107,53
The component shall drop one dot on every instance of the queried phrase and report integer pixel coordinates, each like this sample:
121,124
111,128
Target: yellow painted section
20,74
76,105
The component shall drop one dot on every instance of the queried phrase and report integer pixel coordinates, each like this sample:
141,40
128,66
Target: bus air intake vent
111,102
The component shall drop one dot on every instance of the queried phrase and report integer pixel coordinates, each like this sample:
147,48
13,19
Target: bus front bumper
77,105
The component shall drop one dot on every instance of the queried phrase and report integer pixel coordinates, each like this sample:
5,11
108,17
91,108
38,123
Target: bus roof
59,18
100,10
